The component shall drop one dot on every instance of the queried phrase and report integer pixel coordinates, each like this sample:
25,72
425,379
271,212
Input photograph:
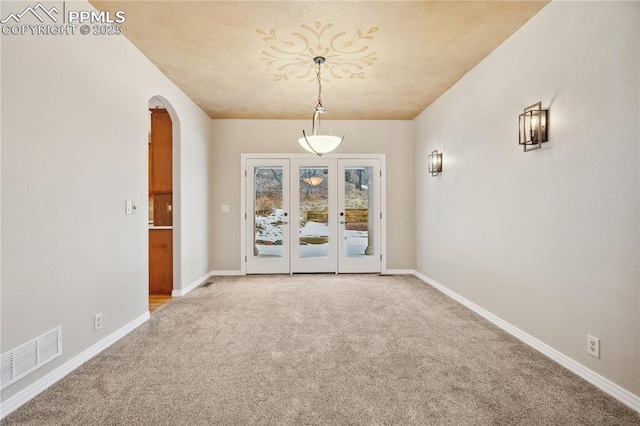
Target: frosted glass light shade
314,180
320,143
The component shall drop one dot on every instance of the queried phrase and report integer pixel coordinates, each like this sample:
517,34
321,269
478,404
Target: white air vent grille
26,358
49,346
7,367
22,360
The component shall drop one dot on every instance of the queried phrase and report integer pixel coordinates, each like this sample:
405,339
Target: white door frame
243,198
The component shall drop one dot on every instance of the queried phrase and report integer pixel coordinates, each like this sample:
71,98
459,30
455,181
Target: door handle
342,222
285,222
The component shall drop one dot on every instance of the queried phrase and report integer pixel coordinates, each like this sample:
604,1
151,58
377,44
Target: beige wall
233,137
75,124
546,240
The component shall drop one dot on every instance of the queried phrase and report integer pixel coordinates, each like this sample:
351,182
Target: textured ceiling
385,60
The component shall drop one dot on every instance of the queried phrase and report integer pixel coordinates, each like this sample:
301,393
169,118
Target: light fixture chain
319,85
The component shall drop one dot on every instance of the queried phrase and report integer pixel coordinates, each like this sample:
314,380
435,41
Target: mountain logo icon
38,11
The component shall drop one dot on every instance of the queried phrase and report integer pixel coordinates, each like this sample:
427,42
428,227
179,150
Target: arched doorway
164,235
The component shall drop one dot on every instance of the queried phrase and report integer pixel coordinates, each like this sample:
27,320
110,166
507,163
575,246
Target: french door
314,238
311,214
359,209
268,245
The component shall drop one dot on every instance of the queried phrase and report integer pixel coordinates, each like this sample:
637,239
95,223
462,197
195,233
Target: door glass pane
314,212
269,216
358,222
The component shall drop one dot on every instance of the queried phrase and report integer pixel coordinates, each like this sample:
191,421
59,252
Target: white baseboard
227,273
196,283
399,272
602,383
31,391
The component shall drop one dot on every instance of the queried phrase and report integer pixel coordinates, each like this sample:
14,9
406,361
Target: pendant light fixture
316,142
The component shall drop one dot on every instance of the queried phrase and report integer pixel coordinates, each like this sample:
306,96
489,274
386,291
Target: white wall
74,148
233,137
546,240
191,182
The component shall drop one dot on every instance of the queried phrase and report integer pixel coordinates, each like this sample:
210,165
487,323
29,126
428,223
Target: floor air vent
22,360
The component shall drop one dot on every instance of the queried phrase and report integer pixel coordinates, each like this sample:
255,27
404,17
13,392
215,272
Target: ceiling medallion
347,53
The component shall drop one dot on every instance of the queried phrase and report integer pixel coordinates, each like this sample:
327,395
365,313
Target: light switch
128,207
225,208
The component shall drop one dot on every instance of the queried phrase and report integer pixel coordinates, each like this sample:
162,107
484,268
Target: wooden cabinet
160,169
160,261
160,203
162,209
161,147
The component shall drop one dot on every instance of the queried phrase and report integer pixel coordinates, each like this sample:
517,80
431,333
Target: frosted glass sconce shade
435,163
533,124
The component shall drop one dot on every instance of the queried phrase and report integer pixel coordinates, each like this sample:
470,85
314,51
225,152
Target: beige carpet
320,349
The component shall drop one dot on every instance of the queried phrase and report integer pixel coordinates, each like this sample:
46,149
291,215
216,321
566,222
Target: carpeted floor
320,349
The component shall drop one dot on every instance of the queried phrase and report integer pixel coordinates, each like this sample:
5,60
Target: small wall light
435,163
533,127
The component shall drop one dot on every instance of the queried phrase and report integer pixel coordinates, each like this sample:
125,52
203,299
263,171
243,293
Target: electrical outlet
593,346
97,321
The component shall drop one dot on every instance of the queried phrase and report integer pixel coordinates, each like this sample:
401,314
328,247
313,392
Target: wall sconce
533,127
435,163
